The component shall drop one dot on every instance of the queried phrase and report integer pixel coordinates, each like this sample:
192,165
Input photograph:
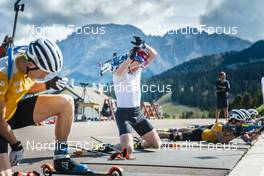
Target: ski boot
64,164
68,166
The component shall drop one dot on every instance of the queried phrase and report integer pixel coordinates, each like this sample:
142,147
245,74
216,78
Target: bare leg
217,114
151,140
126,140
61,106
5,168
226,113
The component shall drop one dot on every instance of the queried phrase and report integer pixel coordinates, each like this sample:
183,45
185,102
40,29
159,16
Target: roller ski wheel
48,169
115,171
34,173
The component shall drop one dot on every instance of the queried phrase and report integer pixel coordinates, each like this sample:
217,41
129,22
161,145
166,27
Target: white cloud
247,15
148,15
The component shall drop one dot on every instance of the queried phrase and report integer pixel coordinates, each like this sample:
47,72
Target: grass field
175,110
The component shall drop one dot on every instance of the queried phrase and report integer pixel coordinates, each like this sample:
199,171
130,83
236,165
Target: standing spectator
222,89
107,112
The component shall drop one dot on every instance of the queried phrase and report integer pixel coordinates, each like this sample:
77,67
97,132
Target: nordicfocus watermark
73,145
186,30
55,28
201,145
127,88
89,146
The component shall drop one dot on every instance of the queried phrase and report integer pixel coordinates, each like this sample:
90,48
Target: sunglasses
233,121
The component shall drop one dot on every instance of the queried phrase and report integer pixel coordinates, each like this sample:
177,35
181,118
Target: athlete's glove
138,54
17,154
4,46
134,52
7,41
56,83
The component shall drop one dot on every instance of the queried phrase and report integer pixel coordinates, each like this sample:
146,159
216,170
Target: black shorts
222,103
128,118
194,135
106,112
23,117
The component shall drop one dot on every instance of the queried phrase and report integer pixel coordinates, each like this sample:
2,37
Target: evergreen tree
247,101
237,103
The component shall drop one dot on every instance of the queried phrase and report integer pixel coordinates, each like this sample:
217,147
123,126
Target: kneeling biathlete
41,58
128,115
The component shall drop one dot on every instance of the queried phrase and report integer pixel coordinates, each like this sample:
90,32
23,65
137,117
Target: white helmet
253,112
247,114
237,115
46,55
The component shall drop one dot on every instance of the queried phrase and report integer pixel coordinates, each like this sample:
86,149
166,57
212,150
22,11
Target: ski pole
17,7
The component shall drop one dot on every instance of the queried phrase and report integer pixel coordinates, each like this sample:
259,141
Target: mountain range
82,52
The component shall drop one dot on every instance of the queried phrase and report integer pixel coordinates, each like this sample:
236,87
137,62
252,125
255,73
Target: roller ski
115,153
176,130
34,173
138,53
49,170
98,150
103,147
168,130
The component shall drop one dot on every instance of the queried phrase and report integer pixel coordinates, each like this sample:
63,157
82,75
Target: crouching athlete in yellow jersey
41,58
211,133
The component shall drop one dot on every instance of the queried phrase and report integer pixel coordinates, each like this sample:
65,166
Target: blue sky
148,15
